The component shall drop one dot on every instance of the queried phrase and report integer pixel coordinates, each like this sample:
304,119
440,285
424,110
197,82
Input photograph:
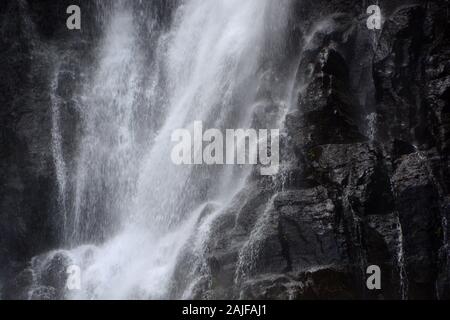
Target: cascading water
127,194
60,167
107,153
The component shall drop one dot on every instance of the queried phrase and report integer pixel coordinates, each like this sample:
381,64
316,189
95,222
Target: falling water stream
132,210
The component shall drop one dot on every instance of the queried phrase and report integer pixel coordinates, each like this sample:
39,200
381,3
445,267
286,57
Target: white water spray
127,193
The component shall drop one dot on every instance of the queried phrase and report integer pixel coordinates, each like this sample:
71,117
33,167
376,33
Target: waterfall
107,153
132,211
57,151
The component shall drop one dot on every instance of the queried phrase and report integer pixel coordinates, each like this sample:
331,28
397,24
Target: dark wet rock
360,190
327,112
329,284
53,272
19,286
26,164
418,202
32,34
44,279
43,293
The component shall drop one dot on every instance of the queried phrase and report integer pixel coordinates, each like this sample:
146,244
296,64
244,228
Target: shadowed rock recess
364,177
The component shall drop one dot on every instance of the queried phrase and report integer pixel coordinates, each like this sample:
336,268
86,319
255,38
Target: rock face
365,175
30,38
367,180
